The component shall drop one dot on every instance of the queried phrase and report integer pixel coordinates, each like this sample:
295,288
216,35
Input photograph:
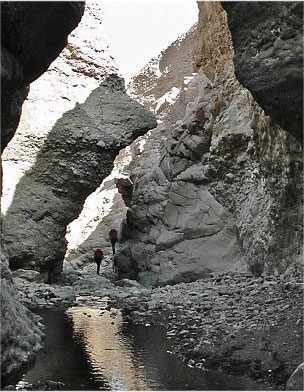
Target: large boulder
268,45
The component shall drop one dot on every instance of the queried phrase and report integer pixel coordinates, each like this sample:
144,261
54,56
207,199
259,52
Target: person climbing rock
98,256
113,235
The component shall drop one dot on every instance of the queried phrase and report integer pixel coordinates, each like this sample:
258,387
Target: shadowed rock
268,45
21,334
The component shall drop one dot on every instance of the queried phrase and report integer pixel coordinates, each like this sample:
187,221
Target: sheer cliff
224,191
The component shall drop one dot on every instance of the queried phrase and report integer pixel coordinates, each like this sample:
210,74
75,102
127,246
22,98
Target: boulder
29,275
127,283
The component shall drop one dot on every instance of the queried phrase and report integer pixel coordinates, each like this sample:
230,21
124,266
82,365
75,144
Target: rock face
224,190
105,209
32,36
268,44
160,82
21,333
63,153
77,155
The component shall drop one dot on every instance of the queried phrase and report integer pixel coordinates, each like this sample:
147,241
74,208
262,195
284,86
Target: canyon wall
156,87
74,122
27,49
268,44
224,191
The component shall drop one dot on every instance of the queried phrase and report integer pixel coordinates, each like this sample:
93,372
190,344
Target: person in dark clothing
98,256
113,235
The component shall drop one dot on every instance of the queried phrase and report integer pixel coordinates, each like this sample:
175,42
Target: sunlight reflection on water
92,348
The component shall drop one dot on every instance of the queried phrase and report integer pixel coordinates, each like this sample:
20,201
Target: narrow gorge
196,161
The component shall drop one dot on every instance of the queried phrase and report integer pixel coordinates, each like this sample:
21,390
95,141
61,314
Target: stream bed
93,349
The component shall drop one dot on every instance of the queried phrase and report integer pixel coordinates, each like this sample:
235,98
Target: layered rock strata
268,45
225,191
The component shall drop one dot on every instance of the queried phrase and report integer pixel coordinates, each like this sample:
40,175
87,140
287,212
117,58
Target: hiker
113,235
98,256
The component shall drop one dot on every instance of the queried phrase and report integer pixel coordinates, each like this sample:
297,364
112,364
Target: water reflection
109,351
93,349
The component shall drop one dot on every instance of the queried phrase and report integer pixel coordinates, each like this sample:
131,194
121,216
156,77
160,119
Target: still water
90,349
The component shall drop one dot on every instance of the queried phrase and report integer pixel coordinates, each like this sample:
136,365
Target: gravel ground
237,323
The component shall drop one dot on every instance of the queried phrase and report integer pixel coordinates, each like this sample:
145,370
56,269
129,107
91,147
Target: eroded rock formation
77,155
226,190
268,45
69,151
